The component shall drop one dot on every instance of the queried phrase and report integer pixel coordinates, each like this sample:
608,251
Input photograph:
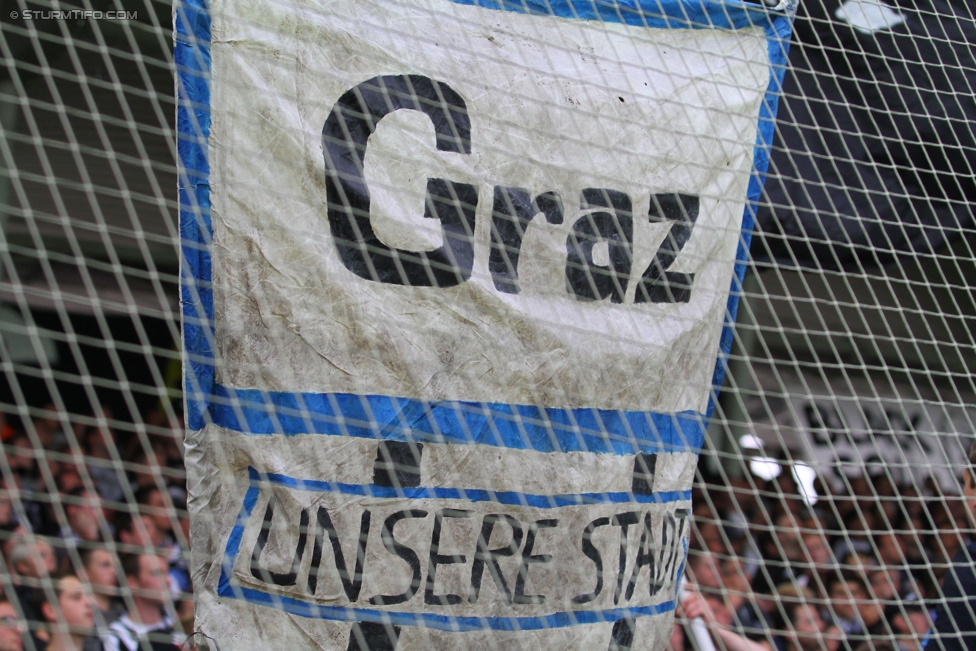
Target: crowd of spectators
93,533
93,548
860,568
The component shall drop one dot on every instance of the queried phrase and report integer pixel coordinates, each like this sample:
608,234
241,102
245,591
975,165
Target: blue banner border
253,411
521,427
302,608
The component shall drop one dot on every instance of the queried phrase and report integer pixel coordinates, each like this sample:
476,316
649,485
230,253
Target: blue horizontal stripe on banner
438,622
470,495
521,427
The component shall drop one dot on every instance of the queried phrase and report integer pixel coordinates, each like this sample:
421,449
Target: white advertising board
846,428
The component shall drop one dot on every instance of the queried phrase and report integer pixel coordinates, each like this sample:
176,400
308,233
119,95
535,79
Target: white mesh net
455,334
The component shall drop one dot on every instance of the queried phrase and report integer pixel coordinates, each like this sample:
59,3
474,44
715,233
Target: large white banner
458,287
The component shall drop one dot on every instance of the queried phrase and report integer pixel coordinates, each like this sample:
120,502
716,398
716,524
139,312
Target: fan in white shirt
146,626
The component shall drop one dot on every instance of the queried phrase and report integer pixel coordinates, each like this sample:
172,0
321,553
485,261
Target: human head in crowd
886,491
782,543
925,583
49,430
798,623
11,627
789,536
744,493
8,516
136,530
910,502
910,622
944,539
885,583
108,478
870,611
145,470
32,557
707,531
146,624
98,441
68,478
167,449
148,582
704,571
100,572
864,522
862,561
84,513
910,533
735,581
165,427
846,590
742,602
832,637
858,487
20,456
68,613
159,507
816,551
888,547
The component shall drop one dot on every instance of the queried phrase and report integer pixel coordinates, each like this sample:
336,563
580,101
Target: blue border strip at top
261,412
520,427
